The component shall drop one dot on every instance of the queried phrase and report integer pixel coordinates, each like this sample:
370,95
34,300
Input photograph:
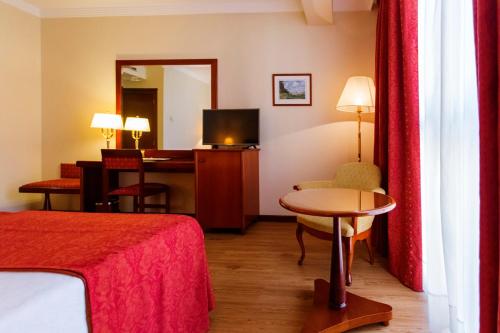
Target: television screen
229,127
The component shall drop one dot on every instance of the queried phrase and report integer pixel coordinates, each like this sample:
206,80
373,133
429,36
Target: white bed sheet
36,302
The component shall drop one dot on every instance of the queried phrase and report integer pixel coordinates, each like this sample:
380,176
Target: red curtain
487,30
397,140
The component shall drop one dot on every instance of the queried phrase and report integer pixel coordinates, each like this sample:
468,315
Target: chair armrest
313,184
378,190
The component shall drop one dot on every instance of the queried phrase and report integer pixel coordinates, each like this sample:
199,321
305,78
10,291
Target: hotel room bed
73,272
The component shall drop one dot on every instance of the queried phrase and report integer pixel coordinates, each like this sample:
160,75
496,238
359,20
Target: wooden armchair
357,175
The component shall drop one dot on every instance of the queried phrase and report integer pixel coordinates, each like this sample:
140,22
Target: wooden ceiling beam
318,12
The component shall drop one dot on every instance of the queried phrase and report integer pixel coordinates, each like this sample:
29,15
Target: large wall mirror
171,93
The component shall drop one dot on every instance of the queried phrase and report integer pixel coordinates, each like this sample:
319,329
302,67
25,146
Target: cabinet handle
201,160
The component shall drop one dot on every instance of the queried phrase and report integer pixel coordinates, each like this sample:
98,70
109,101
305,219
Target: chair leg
167,202
369,247
106,207
298,234
135,204
46,202
349,255
141,204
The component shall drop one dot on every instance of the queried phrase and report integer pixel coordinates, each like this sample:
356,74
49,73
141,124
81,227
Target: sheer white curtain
449,164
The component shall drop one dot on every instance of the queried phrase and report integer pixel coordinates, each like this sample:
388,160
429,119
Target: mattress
38,302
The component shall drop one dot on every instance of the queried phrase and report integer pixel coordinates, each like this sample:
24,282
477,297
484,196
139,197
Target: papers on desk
155,159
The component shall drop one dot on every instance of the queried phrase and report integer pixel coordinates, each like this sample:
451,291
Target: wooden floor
260,288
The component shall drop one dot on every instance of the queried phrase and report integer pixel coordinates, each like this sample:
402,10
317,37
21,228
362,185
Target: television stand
227,187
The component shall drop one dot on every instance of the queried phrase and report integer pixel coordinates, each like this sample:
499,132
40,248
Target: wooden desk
226,183
334,309
91,177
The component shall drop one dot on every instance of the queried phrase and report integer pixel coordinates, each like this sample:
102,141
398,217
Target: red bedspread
143,273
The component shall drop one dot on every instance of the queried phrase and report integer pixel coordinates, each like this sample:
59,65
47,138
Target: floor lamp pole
359,133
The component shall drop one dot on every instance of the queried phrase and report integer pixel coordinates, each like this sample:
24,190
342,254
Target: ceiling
114,3
90,8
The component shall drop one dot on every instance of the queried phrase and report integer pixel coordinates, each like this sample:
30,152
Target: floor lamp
358,96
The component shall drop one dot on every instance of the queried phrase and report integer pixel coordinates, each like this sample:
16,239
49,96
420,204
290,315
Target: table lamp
108,123
137,126
358,96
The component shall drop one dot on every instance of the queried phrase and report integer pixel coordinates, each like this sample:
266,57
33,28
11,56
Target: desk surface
172,165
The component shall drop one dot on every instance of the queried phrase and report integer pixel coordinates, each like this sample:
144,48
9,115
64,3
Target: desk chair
357,175
130,160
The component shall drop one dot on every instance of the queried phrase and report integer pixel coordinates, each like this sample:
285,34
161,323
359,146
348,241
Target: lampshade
137,124
358,94
107,120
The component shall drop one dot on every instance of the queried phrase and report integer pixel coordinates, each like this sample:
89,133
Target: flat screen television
231,127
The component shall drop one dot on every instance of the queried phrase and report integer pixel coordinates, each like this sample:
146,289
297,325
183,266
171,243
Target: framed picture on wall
292,90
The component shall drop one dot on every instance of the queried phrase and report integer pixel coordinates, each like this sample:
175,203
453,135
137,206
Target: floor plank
260,288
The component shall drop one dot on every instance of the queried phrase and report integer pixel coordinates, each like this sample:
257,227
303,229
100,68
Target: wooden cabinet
227,187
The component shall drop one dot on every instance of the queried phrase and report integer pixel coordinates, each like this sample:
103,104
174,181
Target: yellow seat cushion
355,175
325,224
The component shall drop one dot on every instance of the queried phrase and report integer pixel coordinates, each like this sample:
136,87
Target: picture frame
292,89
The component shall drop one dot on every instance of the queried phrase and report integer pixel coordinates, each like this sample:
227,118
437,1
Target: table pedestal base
359,311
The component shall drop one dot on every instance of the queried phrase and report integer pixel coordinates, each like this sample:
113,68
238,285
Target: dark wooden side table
334,309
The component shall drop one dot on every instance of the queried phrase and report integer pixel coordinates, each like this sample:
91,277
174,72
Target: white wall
21,111
185,98
298,143
311,153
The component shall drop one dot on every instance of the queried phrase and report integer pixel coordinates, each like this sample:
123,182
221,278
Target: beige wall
21,113
297,142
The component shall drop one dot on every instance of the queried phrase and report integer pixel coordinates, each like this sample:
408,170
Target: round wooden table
334,309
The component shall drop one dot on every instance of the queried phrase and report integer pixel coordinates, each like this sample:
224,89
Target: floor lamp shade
358,96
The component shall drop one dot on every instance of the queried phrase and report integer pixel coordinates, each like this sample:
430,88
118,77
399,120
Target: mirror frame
145,62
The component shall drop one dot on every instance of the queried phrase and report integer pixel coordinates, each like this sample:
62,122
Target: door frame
153,124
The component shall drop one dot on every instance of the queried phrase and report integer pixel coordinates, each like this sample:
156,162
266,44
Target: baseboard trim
277,218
